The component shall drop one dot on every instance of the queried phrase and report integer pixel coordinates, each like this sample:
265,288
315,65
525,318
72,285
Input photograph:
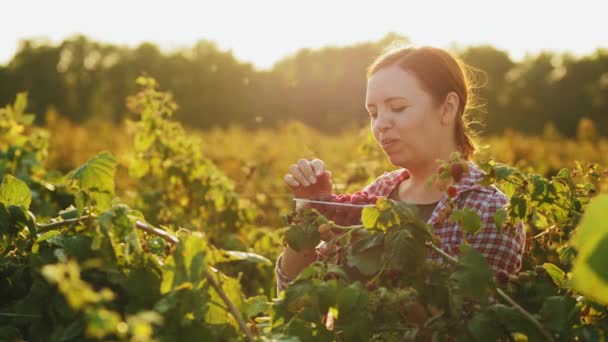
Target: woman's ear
449,110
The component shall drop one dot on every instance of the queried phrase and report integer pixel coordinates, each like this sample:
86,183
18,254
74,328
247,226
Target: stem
156,231
503,295
450,258
41,228
9,314
235,312
526,314
546,231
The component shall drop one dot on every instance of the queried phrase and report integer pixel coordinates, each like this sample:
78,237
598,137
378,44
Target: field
148,231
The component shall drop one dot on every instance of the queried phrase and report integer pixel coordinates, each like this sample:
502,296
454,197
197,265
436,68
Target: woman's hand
309,179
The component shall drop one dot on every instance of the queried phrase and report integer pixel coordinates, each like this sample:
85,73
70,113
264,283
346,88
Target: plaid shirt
503,251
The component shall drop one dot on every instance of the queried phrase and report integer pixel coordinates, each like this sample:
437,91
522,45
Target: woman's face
405,120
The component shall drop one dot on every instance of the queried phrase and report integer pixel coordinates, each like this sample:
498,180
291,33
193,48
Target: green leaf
589,274
369,217
368,261
539,219
43,237
302,237
468,219
483,327
96,177
15,192
20,103
403,251
80,200
300,294
559,313
557,275
514,322
502,172
518,207
254,306
352,297
500,216
473,277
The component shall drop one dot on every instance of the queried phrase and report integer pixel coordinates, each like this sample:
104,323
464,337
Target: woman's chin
397,160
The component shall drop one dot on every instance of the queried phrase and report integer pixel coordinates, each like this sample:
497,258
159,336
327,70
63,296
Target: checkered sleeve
503,250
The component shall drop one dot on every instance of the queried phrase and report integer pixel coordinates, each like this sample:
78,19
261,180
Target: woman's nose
384,122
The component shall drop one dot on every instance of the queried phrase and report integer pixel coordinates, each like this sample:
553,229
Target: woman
417,100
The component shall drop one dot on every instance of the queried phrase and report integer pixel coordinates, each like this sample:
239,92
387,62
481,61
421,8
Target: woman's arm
290,263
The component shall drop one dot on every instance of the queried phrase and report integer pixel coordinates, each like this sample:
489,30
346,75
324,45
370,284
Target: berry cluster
343,215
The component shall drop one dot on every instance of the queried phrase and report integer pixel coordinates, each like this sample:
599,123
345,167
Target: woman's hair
439,73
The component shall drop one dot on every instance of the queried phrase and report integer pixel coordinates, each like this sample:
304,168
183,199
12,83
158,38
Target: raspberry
457,170
357,199
392,273
371,286
372,199
452,191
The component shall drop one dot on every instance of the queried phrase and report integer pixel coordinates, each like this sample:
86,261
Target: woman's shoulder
474,193
385,183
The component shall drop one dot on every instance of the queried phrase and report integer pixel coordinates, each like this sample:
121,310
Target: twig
450,258
235,312
41,228
543,233
156,231
503,295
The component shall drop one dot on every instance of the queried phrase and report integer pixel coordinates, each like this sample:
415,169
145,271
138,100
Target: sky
264,31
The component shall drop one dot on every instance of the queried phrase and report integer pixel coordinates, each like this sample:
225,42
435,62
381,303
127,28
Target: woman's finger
306,169
318,166
298,175
289,179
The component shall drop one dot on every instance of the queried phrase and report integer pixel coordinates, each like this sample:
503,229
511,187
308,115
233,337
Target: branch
546,231
156,231
503,295
41,228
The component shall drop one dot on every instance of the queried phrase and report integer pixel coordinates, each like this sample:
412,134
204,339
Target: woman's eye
399,109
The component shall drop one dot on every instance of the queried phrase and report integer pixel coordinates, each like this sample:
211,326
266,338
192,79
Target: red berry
372,199
502,277
391,273
371,286
357,199
457,171
452,192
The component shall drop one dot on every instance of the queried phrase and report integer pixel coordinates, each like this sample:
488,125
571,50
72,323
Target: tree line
325,88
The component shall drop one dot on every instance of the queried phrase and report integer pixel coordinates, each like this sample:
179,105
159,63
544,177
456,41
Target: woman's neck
416,189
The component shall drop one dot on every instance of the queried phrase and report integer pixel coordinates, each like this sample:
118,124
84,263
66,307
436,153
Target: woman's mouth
388,143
